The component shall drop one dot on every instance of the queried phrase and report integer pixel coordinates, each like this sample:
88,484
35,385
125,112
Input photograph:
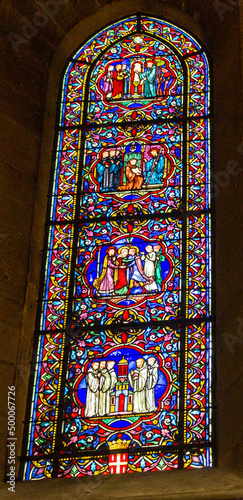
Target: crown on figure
120,444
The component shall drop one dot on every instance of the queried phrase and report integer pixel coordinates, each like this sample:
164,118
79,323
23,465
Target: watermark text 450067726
11,444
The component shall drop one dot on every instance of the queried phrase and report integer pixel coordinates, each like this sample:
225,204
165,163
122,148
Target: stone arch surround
225,480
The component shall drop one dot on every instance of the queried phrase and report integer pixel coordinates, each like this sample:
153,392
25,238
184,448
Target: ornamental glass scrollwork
121,373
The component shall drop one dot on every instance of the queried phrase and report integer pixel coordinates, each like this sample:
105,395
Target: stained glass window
121,378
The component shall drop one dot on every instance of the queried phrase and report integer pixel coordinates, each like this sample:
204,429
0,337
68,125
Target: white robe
150,385
149,270
113,383
104,401
139,386
92,396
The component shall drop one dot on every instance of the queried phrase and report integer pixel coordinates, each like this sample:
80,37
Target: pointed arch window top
186,44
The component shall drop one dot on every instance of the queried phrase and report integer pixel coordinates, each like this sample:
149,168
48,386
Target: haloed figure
155,167
159,259
105,283
137,273
149,79
116,163
107,81
121,285
102,169
119,76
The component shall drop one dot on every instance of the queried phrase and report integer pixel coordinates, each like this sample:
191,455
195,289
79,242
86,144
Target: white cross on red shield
118,463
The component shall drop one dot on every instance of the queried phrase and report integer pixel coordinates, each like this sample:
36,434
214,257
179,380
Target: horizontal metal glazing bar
130,451
173,214
96,326
136,123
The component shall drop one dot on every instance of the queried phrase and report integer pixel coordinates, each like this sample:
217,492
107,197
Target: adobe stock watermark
233,339
222,178
29,29
223,6
11,440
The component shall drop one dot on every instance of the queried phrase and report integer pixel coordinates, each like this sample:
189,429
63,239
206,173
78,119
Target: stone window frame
219,482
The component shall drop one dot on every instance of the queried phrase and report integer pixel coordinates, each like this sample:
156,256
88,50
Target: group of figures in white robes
143,381
101,380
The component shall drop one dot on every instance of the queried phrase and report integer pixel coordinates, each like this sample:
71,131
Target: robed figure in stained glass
154,168
113,379
153,373
134,176
119,76
137,379
138,276
117,169
105,283
148,78
149,267
159,259
102,169
93,385
164,77
108,81
113,170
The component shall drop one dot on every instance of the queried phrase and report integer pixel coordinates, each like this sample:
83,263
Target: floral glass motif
122,361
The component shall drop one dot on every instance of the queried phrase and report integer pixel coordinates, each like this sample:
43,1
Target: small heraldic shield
118,462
